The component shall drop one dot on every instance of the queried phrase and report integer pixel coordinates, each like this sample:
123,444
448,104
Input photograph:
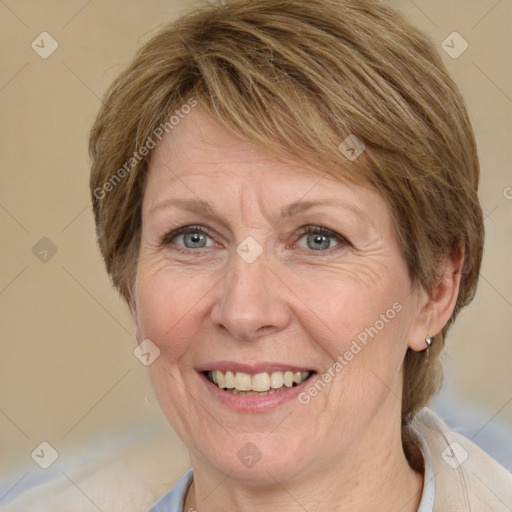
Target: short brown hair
297,78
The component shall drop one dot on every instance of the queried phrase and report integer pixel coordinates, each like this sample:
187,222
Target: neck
381,479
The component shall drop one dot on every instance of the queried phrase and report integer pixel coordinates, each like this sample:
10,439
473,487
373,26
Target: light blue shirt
173,501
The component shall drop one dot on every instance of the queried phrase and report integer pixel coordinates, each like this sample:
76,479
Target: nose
251,301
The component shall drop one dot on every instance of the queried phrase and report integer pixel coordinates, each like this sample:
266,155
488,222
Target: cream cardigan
133,478
466,478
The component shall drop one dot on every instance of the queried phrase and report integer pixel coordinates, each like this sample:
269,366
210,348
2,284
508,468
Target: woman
285,195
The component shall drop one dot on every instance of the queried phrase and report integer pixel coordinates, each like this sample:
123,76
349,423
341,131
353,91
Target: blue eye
319,238
192,237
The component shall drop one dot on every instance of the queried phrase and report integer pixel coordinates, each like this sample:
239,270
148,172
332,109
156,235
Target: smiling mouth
265,383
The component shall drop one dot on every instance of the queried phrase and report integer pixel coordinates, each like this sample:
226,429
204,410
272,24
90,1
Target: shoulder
466,478
129,478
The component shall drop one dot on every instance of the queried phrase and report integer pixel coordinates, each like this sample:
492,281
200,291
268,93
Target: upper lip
253,368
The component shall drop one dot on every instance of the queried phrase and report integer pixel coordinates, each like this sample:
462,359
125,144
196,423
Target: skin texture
294,305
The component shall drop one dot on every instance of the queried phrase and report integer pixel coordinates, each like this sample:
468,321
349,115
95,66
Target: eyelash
300,232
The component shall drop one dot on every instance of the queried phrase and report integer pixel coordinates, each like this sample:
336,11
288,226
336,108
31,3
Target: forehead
201,158
199,144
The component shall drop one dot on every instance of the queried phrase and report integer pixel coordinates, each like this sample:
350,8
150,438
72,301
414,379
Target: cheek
167,303
361,331
348,309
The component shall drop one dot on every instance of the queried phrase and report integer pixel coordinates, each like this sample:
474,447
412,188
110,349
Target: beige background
67,372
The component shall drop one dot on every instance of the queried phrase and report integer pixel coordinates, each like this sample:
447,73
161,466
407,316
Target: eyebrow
204,207
299,206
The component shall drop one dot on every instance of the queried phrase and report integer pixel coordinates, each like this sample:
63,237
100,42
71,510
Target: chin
258,458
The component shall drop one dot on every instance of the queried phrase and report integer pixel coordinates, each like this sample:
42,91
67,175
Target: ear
436,306
133,313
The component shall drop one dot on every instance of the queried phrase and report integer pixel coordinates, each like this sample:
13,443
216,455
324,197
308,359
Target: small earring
429,340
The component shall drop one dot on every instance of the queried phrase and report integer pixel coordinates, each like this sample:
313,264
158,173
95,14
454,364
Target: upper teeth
259,382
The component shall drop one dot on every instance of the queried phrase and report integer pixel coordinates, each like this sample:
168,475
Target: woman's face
281,268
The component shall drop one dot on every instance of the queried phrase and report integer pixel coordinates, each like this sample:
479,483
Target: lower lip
254,403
